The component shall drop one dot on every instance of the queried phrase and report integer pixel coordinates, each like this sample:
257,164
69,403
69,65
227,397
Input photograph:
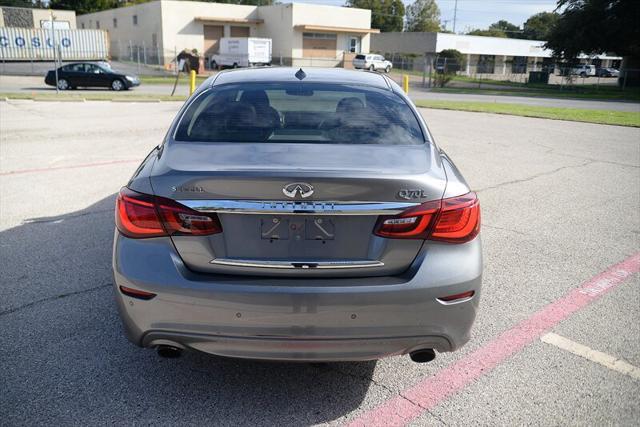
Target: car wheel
235,65
386,70
214,65
583,74
372,68
117,85
63,84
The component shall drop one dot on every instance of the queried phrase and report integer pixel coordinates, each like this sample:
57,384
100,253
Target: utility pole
55,50
455,13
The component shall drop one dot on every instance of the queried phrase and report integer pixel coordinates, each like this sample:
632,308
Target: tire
387,69
63,84
235,65
214,65
117,85
372,68
583,74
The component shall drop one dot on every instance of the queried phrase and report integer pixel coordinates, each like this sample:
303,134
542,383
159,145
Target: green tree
386,15
423,15
23,3
596,26
510,30
488,33
539,26
501,28
83,6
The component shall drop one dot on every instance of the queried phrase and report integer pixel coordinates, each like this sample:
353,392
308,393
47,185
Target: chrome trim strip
299,265
297,207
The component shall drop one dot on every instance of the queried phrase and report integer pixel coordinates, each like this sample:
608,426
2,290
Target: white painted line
592,355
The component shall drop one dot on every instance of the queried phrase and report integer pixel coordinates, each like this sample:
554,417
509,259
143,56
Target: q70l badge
411,194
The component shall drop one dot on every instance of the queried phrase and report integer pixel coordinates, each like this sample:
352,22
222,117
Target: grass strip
606,117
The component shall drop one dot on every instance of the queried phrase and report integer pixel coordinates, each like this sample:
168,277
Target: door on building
240,31
319,45
354,44
212,36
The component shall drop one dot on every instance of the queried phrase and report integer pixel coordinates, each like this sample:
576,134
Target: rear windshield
360,57
300,113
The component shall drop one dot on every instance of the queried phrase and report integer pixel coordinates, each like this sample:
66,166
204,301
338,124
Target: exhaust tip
423,356
169,352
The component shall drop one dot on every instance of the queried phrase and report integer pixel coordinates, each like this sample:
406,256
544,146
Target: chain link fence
495,72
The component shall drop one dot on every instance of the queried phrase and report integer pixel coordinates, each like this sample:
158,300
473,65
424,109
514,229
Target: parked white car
584,70
372,62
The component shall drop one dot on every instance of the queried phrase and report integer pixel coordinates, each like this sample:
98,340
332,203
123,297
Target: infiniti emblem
296,189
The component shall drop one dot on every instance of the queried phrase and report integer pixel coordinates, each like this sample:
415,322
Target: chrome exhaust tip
423,356
169,352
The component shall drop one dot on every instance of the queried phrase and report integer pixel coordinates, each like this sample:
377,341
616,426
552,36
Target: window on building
115,22
519,65
319,45
486,64
135,19
98,24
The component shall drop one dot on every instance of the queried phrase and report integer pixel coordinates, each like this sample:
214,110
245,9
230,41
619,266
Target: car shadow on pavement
64,356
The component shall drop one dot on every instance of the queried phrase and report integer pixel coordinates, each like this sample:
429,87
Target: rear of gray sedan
298,216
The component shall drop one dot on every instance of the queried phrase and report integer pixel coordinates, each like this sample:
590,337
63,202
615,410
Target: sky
476,13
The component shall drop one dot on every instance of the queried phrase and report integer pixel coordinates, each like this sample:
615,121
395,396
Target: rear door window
300,113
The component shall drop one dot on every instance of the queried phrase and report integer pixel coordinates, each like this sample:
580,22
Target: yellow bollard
405,83
192,82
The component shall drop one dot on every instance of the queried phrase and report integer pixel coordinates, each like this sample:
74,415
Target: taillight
454,220
141,215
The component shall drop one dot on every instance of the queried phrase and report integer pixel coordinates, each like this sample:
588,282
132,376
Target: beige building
302,34
21,17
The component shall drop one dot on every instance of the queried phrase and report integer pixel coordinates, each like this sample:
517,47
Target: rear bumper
297,319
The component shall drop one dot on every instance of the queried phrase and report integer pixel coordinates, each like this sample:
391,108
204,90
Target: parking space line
592,355
83,165
429,392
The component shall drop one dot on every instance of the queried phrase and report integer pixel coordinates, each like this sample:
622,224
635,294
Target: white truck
242,52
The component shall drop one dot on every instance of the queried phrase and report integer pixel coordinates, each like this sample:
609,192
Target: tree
501,28
23,3
510,30
487,33
448,62
598,26
423,15
539,26
83,6
386,15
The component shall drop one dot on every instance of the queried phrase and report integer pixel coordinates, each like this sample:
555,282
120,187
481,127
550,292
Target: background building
20,17
494,56
302,34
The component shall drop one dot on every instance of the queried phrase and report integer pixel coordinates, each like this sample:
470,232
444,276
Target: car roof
313,75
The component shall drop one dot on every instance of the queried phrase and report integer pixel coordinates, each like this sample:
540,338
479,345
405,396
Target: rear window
360,57
300,113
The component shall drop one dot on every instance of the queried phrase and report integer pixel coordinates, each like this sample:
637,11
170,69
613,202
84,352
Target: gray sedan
298,215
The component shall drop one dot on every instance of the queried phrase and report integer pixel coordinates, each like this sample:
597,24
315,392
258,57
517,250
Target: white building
22,17
302,34
485,55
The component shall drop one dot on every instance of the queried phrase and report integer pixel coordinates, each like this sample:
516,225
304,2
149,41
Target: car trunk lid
271,226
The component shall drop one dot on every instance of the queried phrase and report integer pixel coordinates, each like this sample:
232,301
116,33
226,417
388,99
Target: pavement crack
384,386
510,230
51,298
532,177
552,150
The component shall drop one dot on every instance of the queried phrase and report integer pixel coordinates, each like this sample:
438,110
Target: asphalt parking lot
561,233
